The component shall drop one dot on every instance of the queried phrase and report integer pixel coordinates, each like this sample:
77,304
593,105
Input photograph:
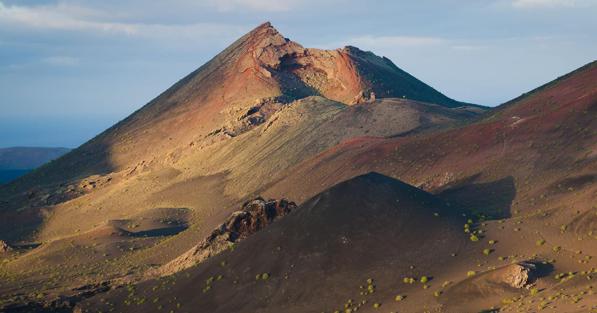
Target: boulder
4,247
519,275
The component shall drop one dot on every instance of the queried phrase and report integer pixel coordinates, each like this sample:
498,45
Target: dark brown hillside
316,257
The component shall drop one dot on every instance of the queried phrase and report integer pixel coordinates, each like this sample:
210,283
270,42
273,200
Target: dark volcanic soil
316,258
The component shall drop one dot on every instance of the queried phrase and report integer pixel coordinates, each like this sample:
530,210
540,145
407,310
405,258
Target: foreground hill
315,258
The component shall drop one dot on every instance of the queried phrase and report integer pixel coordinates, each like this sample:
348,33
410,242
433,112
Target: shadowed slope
315,258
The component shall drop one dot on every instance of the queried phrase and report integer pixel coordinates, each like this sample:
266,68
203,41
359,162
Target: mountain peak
266,24
265,30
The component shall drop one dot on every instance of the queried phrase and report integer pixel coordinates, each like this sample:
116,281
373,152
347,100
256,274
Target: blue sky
69,69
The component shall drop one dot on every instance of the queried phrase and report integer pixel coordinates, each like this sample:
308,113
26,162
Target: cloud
61,61
66,17
59,16
53,61
391,41
468,47
254,5
526,4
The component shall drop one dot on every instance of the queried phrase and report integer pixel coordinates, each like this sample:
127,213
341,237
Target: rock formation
4,247
255,215
519,275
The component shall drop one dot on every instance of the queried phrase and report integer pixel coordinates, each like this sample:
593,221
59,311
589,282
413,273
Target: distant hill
8,175
16,161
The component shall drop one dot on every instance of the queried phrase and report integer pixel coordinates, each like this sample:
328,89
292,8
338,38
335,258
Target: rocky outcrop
4,247
253,217
364,97
519,275
251,118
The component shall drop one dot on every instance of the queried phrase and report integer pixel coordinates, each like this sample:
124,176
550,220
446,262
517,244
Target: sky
71,68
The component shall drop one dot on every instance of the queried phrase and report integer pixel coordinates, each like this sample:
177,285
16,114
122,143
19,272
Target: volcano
262,80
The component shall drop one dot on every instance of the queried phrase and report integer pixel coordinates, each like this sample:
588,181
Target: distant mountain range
17,161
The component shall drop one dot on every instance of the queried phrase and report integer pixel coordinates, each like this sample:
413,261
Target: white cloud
543,3
66,17
468,47
54,61
255,5
59,16
395,41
